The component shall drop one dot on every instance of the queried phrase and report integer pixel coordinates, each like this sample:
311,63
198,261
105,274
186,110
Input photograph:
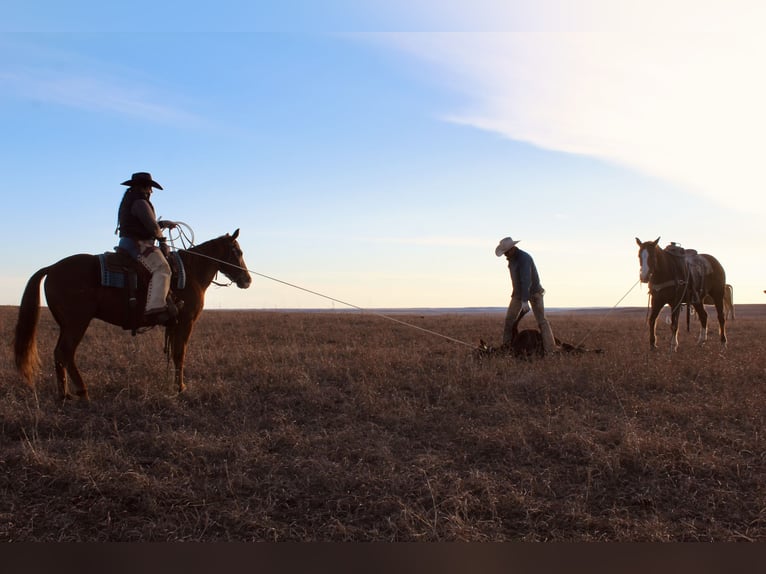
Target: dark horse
75,297
678,276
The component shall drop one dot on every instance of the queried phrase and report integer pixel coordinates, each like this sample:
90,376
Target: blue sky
377,151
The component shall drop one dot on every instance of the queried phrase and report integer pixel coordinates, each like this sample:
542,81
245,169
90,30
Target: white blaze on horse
678,276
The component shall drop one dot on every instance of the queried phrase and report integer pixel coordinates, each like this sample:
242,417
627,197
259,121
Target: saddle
120,271
696,268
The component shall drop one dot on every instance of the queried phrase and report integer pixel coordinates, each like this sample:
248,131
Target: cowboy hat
142,178
505,244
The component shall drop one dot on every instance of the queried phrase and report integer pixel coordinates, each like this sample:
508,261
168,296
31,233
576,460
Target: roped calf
527,344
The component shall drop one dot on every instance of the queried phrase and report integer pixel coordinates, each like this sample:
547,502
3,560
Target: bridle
236,252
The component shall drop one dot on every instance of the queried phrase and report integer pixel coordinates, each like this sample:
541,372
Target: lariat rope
185,235
371,312
188,242
603,318
383,315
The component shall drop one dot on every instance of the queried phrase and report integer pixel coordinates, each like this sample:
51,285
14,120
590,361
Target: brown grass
348,427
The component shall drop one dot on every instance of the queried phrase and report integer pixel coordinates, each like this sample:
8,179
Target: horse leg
674,329
180,339
719,308
60,365
63,356
179,376
702,315
653,327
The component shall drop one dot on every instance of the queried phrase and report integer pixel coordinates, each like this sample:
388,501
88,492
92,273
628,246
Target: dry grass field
349,427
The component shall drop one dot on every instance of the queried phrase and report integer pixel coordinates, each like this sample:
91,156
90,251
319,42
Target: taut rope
357,307
186,241
589,333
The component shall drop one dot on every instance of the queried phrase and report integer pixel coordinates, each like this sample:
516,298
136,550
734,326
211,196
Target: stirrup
174,307
157,317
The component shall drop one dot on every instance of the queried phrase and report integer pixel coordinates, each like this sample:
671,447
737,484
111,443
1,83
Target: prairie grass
348,427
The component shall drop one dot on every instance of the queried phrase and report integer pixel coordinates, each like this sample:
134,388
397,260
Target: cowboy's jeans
538,309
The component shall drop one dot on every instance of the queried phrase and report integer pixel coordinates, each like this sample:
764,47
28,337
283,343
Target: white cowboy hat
505,244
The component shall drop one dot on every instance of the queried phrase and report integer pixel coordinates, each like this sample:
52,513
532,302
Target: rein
185,235
198,254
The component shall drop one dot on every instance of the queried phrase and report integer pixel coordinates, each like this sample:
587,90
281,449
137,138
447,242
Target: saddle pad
114,272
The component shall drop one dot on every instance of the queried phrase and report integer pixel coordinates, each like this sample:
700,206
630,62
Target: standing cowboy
527,291
139,229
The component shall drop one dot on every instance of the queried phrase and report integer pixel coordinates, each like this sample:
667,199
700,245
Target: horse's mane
205,244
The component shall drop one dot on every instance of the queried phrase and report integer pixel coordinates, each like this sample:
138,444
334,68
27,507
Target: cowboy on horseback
139,229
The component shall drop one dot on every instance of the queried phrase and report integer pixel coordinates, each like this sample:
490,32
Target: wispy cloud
680,102
91,93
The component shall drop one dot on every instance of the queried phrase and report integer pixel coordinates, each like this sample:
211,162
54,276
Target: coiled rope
183,233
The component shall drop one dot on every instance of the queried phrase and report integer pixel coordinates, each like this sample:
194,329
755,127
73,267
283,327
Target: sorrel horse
75,297
678,276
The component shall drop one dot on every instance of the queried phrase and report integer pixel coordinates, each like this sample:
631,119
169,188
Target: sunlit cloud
678,99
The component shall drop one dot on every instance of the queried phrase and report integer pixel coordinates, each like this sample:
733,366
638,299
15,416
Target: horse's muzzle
244,281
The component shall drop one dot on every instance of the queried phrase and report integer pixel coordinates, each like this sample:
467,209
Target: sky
376,151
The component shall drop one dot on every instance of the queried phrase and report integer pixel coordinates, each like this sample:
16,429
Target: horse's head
232,263
647,254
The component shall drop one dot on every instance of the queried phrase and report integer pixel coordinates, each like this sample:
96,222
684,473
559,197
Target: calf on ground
527,344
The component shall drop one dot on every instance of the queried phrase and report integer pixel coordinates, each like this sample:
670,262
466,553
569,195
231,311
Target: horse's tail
730,296
24,340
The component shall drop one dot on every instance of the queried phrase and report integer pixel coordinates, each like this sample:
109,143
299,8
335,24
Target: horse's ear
656,241
638,241
235,234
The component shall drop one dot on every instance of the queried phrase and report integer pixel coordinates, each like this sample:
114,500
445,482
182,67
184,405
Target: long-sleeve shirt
524,276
